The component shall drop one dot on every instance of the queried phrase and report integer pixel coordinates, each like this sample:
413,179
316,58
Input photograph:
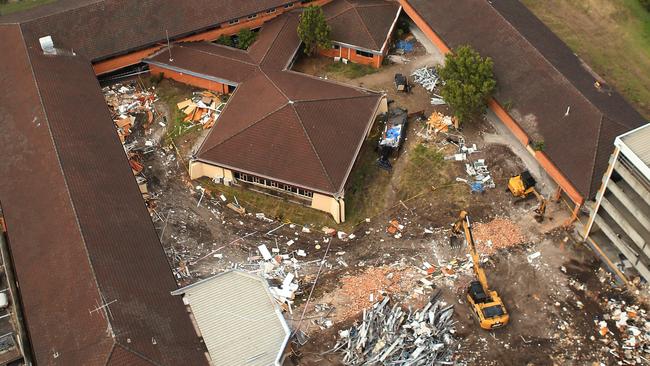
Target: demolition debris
497,234
632,325
203,108
392,336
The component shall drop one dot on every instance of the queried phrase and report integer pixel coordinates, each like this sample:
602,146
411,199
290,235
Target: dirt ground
203,237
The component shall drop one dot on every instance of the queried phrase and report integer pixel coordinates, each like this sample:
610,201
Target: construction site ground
551,284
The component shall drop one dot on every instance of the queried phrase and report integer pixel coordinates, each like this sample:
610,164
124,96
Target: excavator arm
463,223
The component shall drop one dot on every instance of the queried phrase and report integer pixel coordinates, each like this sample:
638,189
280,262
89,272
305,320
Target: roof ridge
334,82
110,354
350,7
63,175
285,19
247,127
180,45
365,27
546,60
138,354
275,85
329,179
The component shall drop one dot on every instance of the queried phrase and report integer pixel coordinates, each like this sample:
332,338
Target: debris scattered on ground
392,336
204,108
631,323
497,234
358,292
427,77
127,102
438,122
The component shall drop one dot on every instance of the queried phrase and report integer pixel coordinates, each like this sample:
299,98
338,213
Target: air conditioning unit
47,45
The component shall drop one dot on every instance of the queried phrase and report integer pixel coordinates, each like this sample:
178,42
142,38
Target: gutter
191,73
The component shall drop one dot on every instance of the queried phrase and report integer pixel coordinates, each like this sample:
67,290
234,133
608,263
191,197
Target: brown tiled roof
98,29
540,76
280,124
362,23
80,236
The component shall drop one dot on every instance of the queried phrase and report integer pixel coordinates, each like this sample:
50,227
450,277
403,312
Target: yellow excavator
485,304
522,186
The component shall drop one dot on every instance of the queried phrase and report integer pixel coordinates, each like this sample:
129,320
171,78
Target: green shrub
226,41
245,38
645,4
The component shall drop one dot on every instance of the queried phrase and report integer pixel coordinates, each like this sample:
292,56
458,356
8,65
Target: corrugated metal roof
238,318
639,142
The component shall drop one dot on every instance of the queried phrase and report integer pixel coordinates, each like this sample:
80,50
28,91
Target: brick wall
350,54
190,80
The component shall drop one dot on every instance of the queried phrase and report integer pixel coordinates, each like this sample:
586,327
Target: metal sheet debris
390,335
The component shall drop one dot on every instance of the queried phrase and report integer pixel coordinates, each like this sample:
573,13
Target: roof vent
47,45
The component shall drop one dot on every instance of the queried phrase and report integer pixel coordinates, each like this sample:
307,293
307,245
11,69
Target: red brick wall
350,54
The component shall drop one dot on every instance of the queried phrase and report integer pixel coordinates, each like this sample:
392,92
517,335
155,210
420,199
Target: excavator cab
523,185
487,307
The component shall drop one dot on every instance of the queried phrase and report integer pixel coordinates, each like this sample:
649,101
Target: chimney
47,45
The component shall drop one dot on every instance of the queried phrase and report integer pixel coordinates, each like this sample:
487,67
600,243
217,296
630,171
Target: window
335,46
271,11
305,193
364,54
252,16
243,177
288,5
234,21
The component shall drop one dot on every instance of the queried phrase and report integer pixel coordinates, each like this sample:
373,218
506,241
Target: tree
468,82
245,38
313,30
226,41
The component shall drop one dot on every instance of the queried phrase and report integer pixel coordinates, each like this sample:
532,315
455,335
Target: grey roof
239,319
638,141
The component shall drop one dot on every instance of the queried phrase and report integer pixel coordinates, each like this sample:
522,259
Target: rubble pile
632,324
132,108
373,284
126,102
429,79
392,336
203,108
497,234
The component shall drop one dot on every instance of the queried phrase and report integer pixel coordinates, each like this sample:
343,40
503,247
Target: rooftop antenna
169,46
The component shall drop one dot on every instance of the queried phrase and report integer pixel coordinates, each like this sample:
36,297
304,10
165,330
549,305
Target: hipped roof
362,23
279,124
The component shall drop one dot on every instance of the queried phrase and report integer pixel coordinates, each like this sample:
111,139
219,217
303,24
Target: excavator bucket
456,241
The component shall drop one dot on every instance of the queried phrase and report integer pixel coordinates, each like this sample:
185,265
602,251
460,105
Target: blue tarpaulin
405,45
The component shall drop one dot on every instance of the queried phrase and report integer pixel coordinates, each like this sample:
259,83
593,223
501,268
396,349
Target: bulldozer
485,304
522,186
